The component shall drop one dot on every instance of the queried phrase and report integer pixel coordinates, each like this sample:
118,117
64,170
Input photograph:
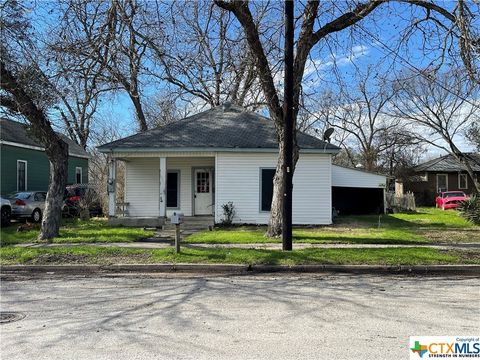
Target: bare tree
441,106
202,55
473,135
27,92
103,35
309,36
360,112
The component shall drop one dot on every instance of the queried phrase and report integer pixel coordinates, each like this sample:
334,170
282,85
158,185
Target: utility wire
412,67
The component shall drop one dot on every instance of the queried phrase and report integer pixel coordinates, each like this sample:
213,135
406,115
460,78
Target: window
266,188
462,181
442,182
40,196
203,181
173,189
21,175
78,175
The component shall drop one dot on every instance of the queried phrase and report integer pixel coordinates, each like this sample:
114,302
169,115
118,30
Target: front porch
157,186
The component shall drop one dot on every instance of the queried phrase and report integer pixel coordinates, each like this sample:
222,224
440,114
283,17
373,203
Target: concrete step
188,227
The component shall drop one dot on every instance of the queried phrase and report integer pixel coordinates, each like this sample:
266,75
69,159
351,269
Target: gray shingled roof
16,132
448,163
223,127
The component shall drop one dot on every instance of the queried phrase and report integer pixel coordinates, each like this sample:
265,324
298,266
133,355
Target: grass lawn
94,255
77,231
428,225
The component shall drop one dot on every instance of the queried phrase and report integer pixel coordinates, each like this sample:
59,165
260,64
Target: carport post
384,201
163,186
112,186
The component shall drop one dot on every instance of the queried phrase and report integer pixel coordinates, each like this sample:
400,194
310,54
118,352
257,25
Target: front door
203,191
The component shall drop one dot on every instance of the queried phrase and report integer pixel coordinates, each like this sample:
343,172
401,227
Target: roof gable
16,133
223,127
448,163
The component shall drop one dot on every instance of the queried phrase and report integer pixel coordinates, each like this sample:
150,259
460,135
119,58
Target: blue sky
369,45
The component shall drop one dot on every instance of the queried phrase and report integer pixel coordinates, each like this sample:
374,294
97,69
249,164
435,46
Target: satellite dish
327,134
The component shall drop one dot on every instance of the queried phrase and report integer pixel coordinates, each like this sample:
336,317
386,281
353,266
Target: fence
405,202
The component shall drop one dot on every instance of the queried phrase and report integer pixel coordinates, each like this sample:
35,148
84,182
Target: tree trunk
275,221
56,149
58,155
142,122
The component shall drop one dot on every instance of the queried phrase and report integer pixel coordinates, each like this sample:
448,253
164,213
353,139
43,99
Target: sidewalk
258,246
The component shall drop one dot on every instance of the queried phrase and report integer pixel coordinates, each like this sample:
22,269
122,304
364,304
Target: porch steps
189,226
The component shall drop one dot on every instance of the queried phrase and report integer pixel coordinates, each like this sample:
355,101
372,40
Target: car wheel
36,215
5,214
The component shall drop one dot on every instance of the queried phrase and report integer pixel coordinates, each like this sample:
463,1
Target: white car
6,211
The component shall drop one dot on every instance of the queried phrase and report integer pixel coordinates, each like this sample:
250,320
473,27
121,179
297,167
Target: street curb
243,268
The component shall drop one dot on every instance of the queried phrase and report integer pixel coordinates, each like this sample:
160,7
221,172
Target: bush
228,213
470,209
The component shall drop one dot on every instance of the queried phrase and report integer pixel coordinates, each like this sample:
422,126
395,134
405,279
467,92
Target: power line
412,67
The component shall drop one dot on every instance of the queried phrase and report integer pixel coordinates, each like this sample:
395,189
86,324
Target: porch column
112,186
163,187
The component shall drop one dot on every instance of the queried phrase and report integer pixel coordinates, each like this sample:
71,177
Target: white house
225,154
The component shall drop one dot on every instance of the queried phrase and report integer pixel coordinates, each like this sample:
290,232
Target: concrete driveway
233,317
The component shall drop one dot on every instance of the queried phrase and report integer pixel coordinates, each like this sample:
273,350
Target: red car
450,199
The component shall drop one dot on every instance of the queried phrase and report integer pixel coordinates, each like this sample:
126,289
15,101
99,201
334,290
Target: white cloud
315,65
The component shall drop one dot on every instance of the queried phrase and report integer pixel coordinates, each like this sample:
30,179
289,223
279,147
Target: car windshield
20,195
454,194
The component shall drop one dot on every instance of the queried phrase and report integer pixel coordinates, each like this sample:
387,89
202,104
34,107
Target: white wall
142,176
345,177
238,180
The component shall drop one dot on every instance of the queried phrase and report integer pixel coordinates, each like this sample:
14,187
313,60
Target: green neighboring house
24,165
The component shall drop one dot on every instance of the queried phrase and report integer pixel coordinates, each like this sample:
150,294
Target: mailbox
176,218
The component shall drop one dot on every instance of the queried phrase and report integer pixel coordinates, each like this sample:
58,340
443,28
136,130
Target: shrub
228,213
470,209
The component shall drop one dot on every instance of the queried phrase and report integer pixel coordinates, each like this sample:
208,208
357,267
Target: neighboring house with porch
24,164
442,174
225,154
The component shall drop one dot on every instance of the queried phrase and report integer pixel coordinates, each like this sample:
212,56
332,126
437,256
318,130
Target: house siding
142,184
344,177
238,181
38,168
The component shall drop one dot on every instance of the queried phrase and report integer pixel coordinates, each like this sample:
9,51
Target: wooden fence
405,202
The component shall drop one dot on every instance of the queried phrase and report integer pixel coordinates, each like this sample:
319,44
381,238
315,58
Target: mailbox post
177,219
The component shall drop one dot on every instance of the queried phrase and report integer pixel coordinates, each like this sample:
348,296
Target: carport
356,191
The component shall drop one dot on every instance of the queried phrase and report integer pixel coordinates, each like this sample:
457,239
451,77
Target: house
24,164
442,174
228,154
225,154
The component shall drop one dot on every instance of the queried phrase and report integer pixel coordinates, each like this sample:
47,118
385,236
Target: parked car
28,204
450,199
77,196
6,211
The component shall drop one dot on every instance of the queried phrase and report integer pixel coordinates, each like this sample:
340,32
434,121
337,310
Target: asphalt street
310,316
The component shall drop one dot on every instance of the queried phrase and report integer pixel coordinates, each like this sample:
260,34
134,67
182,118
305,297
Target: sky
342,55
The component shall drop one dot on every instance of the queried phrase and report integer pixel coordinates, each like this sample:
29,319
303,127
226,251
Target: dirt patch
452,236
59,259
63,259
467,257
140,258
